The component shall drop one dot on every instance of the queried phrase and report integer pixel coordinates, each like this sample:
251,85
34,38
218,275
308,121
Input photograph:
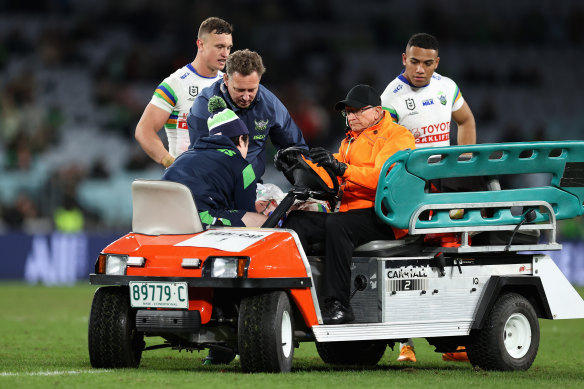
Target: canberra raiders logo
442,98
193,90
261,125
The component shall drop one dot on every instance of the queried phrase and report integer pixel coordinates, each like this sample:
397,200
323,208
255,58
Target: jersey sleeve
164,96
457,99
392,112
388,104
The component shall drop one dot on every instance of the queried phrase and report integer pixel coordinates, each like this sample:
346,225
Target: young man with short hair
425,102
174,97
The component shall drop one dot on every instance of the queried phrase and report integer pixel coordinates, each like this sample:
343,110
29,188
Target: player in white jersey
175,95
425,111
425,103
173,98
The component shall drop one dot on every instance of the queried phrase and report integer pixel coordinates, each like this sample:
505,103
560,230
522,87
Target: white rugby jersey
425,111
175,95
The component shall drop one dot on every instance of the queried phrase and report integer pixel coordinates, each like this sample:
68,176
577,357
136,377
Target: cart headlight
115,265
226,267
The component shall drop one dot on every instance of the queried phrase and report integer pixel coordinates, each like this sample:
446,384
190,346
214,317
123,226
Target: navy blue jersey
217,175
266,116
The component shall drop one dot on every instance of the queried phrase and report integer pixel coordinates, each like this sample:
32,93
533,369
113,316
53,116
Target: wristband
167,160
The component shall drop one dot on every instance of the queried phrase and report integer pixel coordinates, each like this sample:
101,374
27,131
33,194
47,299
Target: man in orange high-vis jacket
371,139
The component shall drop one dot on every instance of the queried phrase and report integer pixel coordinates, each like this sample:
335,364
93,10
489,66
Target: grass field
43,343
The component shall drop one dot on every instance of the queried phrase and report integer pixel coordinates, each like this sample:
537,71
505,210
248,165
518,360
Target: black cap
358,97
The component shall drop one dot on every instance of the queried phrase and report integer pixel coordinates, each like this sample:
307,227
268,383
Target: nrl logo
442,98
193,90
261,125
410,104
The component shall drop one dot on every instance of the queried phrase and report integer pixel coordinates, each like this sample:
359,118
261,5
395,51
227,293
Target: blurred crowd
75,76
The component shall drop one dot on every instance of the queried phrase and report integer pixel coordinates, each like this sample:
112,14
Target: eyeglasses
348,111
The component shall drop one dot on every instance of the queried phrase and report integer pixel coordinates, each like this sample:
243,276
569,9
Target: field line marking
49,373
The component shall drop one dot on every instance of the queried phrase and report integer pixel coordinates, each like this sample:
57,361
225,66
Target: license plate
153,294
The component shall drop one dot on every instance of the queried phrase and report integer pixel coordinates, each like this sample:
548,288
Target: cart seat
387,248
163,207
376,248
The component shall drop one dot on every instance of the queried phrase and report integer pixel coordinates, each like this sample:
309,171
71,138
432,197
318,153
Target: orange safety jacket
364,153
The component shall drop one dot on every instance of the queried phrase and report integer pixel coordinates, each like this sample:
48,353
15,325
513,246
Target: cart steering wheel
302,173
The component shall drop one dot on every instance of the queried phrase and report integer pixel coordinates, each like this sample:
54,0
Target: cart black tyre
509,339
358,353
266,333
112,337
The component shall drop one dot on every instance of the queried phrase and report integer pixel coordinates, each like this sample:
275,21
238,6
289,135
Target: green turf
43,343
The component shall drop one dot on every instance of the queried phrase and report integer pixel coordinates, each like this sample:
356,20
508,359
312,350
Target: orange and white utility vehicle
478,280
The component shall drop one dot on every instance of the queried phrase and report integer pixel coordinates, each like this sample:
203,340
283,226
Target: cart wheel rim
286,334
517,335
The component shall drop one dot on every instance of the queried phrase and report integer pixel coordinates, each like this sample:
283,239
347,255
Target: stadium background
75,76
